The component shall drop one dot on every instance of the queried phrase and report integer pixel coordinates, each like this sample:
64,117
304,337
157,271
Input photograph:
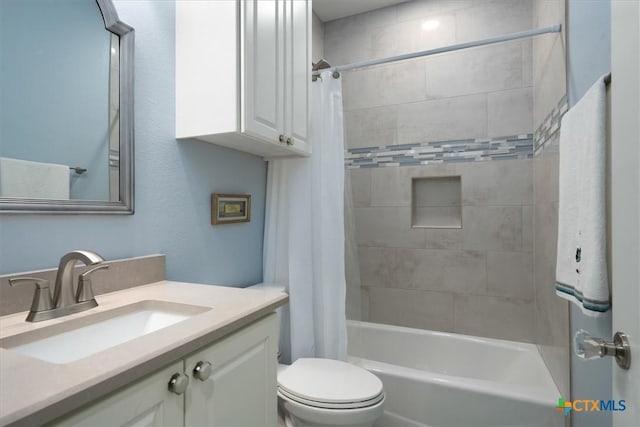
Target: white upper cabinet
262,43
297,76
243,74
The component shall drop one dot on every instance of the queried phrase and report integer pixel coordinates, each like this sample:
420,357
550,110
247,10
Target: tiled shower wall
478,279
549,102
474,280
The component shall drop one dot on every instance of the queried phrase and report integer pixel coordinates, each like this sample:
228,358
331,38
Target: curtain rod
498,39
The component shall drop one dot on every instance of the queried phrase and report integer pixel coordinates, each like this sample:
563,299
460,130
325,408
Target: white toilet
324,392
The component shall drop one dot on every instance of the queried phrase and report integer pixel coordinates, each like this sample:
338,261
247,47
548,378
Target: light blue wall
54,73
589,39
174,181
589,57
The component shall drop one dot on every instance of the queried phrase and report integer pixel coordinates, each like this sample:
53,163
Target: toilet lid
326,381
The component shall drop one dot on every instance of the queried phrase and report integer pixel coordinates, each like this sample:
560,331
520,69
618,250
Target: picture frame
230,208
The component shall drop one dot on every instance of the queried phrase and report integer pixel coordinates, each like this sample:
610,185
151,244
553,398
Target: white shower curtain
304,234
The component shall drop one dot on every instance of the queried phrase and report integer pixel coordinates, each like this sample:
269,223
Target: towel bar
78,169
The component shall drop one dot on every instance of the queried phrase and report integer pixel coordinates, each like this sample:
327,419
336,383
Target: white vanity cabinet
145,403
243,74
238,388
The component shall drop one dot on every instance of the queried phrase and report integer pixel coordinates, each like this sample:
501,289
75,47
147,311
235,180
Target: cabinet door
262,67
147,403
297,72
241,390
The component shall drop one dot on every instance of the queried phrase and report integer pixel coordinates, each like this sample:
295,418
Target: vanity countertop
33,392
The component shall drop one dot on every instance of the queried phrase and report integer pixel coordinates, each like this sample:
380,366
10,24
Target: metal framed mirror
66,109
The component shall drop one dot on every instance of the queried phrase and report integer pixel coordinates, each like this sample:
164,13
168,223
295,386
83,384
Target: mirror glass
61,140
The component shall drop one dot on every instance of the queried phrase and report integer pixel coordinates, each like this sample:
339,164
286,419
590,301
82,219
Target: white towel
33,180
581,268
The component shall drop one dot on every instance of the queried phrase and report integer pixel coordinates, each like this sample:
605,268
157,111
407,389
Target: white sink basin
78,338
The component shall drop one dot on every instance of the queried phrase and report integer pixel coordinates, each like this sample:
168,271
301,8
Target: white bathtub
442,379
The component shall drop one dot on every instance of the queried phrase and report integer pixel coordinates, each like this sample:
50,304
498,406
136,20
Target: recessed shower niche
436,202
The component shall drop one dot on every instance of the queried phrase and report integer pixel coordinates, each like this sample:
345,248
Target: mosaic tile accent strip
424,153
550,125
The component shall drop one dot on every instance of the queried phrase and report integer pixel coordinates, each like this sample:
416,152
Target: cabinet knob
178,383
202,371
289,142
281,138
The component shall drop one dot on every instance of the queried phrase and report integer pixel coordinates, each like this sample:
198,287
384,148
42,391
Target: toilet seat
328,405
329,384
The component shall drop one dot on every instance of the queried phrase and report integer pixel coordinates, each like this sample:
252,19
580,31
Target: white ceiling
328,10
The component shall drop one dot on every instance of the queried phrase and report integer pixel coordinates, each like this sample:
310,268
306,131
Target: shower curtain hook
336,74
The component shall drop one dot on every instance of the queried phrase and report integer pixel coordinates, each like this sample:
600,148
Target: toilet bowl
323,392
316,392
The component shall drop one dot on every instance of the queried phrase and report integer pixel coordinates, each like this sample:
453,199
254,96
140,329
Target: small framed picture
230,208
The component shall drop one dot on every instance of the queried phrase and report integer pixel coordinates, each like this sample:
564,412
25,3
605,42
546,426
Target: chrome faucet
66,299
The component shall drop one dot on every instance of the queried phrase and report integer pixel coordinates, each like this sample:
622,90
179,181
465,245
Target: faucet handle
86,274
85,291
42,297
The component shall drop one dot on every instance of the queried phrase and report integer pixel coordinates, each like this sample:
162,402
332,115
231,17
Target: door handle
588,347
